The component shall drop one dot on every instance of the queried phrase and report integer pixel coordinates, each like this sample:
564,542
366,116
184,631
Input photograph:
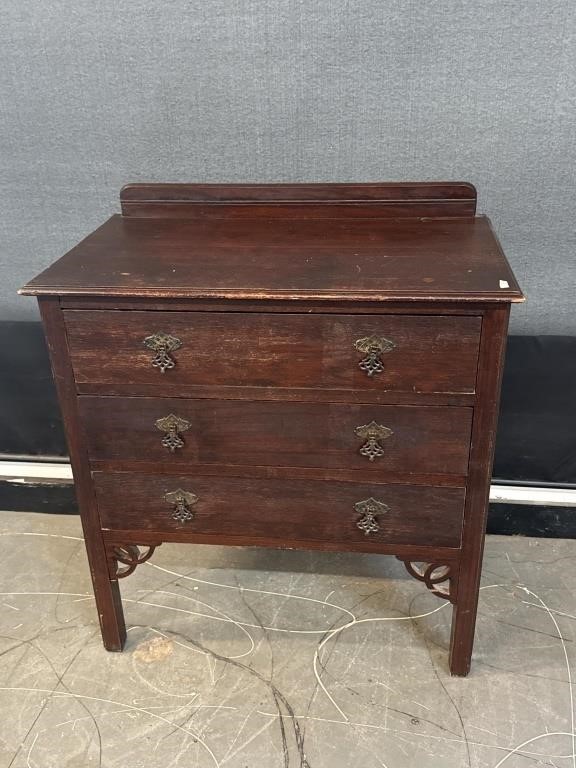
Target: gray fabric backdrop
96,93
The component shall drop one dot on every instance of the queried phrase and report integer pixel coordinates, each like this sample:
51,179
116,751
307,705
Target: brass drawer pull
173,426
368,509
182,501
372,433
373,347
162,344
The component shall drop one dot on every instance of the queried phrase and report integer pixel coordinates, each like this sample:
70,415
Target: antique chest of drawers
312,366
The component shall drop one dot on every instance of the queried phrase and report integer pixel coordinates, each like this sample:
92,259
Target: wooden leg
107,594
110,561
464,612
462,640
460,586
448,581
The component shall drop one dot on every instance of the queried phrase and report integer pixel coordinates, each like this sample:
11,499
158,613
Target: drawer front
367,353
282,511
376,438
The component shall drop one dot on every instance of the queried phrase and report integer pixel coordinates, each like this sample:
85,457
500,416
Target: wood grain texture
281,306
409,551
236,433
281,510
281,194
289,473
432,354
298,201
410,259
294,394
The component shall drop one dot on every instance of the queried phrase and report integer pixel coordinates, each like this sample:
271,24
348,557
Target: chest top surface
308,242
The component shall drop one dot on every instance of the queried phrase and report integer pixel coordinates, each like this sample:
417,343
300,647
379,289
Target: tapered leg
107,594
464,618
462,640
121,560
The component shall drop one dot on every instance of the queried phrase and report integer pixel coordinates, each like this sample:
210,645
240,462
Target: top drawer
172,351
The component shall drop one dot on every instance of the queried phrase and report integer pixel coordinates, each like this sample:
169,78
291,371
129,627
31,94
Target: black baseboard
30,422
57,498
549,522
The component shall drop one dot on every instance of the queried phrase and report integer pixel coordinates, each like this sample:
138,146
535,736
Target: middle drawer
378,438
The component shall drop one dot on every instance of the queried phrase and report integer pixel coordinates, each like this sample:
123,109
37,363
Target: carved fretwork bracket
440,578
123,558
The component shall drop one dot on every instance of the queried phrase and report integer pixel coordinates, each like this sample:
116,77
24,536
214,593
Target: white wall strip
29,471
25,471
550,497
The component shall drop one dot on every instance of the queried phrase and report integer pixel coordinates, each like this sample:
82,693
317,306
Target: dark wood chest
310,366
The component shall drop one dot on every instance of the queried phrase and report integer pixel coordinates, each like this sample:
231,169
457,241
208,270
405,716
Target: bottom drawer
281,511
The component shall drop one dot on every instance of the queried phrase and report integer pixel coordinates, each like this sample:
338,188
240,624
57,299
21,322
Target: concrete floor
245,658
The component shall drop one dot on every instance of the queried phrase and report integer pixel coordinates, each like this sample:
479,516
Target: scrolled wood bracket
123,558
440,578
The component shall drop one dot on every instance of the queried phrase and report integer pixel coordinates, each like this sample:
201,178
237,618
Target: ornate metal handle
182,501
162,344
372,433
173,426
368,509
373,347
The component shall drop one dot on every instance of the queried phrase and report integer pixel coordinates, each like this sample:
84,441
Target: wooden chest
312,366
